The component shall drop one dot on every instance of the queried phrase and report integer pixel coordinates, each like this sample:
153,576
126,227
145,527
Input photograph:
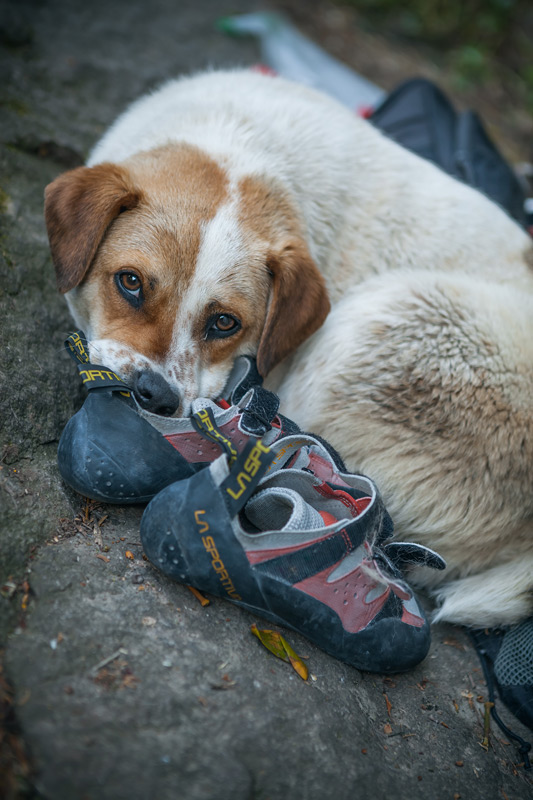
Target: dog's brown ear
79,207
298,306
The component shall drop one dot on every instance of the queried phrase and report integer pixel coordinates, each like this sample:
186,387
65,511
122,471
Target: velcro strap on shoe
259,412
405,554
94,376
248,379
245,474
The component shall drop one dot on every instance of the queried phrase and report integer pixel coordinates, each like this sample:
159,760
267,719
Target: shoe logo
216,562
98,375
204,422
285,449
75,344
253,463
202,524
95,377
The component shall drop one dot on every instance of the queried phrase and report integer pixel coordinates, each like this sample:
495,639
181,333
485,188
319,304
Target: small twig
98,537
486,726
120,652
199,596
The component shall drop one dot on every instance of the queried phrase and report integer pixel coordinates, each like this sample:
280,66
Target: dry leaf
103,558
389,704
279,647
270,640
129,555
387,728
296,662
199,596
454,643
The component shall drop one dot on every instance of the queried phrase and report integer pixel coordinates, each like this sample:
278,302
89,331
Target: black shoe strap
94,376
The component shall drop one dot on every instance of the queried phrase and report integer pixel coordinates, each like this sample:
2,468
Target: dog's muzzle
154,394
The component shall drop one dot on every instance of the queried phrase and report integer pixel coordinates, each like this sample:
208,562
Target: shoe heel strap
204,422
245,475
94,376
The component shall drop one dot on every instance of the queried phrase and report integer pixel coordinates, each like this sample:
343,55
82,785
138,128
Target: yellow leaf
279,647
296,662
271,640
129,555
300,668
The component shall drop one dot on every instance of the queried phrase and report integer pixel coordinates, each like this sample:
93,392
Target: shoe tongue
242,377
279,509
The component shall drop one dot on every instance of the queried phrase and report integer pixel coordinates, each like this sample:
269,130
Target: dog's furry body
261,199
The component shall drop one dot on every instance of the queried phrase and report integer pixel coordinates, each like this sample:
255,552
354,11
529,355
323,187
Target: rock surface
124,685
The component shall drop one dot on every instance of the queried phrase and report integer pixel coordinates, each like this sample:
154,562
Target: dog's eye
225,323
130,282
222,325
130,286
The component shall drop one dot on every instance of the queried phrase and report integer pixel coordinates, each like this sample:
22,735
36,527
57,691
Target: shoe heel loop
245,474
94,376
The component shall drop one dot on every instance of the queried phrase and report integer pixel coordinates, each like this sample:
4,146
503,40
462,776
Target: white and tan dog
235,213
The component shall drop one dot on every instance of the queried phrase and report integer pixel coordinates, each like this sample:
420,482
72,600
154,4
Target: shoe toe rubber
109,453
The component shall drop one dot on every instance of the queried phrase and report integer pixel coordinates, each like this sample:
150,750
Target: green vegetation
476,37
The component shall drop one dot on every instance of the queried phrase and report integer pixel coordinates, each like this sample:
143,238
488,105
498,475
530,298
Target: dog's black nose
154,394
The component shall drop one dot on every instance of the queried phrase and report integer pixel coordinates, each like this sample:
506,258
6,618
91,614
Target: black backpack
419,116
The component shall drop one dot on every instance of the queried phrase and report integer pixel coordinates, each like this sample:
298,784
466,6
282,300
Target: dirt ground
116,683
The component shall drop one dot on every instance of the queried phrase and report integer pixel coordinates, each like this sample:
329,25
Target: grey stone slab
192,700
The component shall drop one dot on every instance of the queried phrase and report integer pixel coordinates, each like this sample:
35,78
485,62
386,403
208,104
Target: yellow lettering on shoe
218,565
202,524
249,470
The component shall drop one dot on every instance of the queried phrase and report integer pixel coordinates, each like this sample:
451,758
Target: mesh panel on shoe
280,508
514,663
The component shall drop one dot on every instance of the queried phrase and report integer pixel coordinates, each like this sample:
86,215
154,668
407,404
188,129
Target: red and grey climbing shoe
281,539
114,451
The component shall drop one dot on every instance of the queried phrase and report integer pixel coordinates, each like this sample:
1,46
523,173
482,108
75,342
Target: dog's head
173,269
